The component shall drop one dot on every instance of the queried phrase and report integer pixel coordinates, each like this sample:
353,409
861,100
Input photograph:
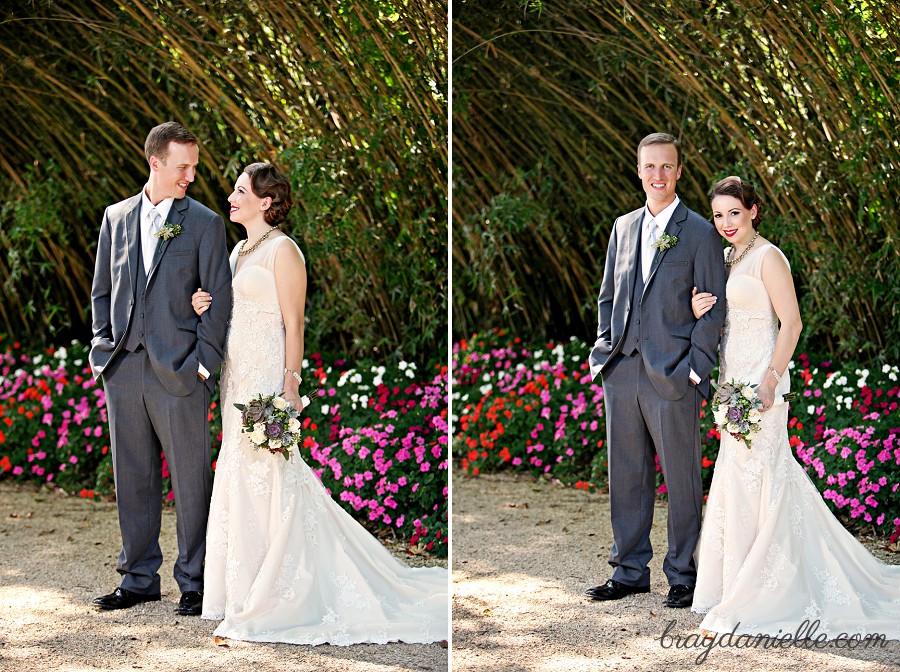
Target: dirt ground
523,553
57,553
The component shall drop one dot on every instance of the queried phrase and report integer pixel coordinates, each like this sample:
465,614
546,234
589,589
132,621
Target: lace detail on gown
771,554
284,562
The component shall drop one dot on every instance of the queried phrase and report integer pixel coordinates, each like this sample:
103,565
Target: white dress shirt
148,241
660,221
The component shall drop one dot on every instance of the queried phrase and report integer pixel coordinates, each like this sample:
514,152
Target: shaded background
552,98
348,98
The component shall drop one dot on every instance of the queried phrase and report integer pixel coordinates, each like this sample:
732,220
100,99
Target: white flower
410,373
484,389
279,403
811,409
293,425
78,362
753,415
275,444
486,378
402,366
356,378
325,409
258,436
886,368
747,392
720,415
538,353
733,428
60,354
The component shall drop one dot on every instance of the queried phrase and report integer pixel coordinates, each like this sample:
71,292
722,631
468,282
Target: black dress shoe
124,599
191,603
613,590
680,596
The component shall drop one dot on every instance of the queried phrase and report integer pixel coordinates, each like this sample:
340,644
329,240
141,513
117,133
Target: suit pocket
674,263
180,253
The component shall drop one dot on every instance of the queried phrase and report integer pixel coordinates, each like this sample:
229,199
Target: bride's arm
776,276
290,280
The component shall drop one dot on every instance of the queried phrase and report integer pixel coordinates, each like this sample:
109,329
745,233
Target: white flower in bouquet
280,403
720,415
294,426
748,393
258,435
754,416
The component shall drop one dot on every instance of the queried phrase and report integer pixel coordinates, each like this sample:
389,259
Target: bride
771,555
284,562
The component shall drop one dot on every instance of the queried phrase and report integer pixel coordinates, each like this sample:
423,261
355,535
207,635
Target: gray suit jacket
675,342
177,340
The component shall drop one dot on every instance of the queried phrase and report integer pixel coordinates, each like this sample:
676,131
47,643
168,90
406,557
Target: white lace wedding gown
285,563
771,554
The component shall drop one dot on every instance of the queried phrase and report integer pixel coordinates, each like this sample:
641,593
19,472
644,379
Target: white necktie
149,246
649,250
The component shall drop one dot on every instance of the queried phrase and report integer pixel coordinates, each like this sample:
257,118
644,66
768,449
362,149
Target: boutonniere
171,230
665,242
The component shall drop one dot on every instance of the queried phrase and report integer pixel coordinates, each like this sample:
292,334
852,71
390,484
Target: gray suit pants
640,423
144,420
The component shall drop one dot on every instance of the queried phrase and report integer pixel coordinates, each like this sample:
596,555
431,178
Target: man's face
659,170
177,171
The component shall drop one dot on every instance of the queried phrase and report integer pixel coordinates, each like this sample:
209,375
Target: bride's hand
200,301
766,394
701,303
293,398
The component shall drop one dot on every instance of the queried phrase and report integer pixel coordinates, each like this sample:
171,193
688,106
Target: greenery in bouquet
737,409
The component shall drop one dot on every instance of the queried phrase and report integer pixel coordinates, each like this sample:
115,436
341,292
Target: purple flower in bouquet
735,414
255,411
274,430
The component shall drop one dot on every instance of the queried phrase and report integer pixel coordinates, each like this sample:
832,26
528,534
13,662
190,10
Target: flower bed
377,436
536,410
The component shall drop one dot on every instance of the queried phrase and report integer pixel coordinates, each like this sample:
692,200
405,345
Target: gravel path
57,553
524,551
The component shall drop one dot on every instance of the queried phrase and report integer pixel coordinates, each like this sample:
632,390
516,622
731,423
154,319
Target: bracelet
295,374
775,373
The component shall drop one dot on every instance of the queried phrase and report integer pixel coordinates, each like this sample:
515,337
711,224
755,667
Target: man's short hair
159,137
660,139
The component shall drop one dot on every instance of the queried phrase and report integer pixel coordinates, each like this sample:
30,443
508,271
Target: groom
155,356
655,359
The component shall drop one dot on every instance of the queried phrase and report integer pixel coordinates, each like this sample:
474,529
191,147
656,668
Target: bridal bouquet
271,423
736,409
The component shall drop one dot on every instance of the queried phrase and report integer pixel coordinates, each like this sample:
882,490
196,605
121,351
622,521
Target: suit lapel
633,250
673,229
176,216
133,241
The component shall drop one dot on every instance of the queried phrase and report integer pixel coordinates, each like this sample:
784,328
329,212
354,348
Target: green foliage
800,99
349,98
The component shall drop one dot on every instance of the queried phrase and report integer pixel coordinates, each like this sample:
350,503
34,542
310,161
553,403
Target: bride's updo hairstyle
741,190
269,182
